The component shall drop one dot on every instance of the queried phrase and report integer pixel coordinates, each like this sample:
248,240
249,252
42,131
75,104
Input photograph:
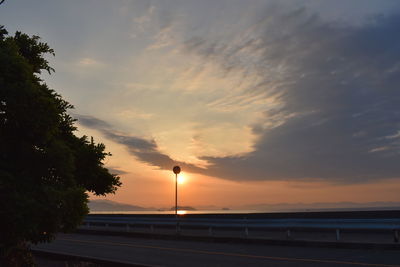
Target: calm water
179,212
242,211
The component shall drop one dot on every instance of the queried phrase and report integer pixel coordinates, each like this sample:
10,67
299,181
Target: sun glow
181,178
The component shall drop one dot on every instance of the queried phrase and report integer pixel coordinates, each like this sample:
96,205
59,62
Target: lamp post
176,170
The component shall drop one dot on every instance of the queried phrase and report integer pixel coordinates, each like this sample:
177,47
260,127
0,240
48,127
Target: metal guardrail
289,225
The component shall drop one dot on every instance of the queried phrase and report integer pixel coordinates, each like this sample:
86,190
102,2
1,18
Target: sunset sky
258,101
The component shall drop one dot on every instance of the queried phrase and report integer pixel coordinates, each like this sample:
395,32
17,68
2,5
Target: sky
257,101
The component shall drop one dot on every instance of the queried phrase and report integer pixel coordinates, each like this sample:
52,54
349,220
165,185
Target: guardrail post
396,236
288,233
246,228
337,234
210,231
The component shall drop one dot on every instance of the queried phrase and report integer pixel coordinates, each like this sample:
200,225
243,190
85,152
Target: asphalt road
155,252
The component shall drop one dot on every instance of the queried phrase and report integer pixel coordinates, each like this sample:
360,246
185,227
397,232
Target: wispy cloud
143,149
117,171
321,74
134,114
90,62
319,98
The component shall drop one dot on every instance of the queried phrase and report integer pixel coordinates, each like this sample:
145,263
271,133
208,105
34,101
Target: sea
247,211
180,212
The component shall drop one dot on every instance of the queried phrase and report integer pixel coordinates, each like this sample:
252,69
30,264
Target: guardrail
246,225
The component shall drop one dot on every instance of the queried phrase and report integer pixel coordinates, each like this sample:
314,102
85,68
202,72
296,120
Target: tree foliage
45,170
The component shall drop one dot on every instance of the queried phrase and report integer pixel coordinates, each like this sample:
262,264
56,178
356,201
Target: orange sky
157,190
147,186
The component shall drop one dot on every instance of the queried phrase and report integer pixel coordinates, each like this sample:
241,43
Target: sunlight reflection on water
180,212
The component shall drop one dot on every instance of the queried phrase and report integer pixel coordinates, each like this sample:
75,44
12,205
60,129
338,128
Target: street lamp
176,170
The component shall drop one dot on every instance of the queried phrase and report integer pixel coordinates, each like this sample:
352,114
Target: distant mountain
325,206
108,205
183,208
208,207
98,205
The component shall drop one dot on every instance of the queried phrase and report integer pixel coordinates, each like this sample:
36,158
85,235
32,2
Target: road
156,252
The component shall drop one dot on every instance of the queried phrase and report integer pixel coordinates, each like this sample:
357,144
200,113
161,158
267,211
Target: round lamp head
177,169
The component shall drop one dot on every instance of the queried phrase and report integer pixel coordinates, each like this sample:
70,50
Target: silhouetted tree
45,170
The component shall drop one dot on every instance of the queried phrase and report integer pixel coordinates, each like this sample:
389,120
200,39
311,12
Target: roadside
183,253
44,258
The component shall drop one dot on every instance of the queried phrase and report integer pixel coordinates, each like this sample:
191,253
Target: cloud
329,94
90,62
116,171
135,144
333,83
134,114
92,122
143,21
144,150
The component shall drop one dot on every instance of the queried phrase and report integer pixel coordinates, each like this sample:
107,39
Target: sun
181,178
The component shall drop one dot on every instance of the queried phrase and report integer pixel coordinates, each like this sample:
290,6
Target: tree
45,170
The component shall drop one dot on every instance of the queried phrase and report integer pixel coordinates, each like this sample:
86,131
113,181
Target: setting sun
181,179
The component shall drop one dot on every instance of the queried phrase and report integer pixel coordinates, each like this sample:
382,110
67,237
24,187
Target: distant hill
183,208
108,205
325,206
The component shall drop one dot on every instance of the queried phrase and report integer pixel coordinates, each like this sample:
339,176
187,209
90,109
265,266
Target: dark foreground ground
158,252
48,262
